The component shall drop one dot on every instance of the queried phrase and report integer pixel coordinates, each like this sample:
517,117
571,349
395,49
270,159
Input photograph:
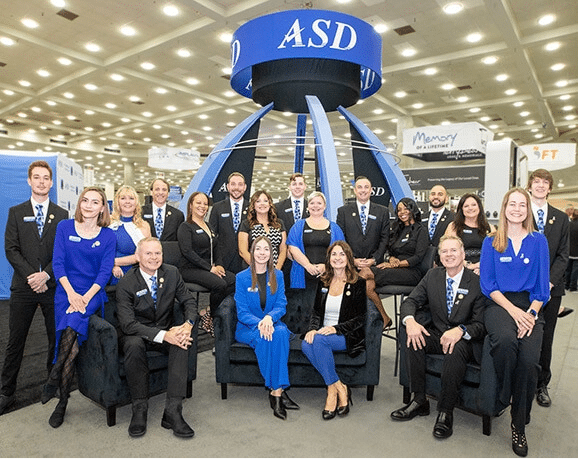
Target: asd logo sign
320,29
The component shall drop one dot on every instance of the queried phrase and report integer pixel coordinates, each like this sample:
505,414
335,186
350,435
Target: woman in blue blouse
514,275
129,227
82,261
261,302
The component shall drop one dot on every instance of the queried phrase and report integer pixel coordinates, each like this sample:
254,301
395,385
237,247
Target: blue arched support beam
391,172
300,142
326,157
205,177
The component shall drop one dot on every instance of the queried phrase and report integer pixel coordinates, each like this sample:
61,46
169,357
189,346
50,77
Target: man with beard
438,218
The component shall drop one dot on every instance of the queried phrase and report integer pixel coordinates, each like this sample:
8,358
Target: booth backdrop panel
67,184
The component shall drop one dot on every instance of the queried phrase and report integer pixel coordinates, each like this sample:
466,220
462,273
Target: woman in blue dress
261,302
82,262
129,227
515,276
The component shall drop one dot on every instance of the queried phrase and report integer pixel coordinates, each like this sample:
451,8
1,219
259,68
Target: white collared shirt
44,208
301,204
240,202
156,211
535,209
159,338
359,207
439,214
456,284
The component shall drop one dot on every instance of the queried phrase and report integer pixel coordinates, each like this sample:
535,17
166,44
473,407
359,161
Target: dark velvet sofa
236,362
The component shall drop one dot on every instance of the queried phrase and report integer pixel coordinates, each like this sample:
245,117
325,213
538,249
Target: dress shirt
147,278
455,286
301,203
44,208
366,208
240,202
439,216
535,209
156,211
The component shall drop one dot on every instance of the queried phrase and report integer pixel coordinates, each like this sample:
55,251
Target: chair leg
487,425
370,388
223,391
406,395
111,416
189,389
396,315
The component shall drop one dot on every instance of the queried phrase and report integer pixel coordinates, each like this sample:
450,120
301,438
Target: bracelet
533,313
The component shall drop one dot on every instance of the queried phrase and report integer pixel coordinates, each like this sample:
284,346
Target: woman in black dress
472,227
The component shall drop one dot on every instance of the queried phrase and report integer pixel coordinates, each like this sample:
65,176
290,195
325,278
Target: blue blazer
249,312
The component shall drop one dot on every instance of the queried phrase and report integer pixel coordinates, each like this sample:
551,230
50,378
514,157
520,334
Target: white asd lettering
235,52
321,29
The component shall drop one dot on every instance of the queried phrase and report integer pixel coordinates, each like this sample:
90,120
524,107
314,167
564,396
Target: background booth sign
173,158
551,156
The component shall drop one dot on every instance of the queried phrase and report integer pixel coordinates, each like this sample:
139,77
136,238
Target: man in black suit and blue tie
438,218
366,229
145,298
295,206
225,220
553,223
443,315
29,241
163,219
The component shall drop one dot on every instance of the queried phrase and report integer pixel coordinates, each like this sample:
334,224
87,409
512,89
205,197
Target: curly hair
397,226
350,271
272,219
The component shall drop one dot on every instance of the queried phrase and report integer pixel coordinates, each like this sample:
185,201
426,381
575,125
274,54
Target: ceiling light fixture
546,19
448,86
7,41
565,97
184,52
408,52
552,46
30,23
562,83
380,28
92,47
557,67
474,37
430,71
171,10
64,61
147,65
490,60
116,77
502,77
453,8
226,37
128,31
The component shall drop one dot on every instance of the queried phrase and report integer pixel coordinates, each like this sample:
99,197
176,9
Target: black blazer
221,221
441,226
351,315
173,219
135,307
373,243
429,296
557,232
196,248
26,251
285,212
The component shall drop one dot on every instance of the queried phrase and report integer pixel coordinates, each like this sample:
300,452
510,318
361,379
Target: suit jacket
221,221
441,226
373,243
430,297
285,212
173,219
557,232
352,314
135,307
26,251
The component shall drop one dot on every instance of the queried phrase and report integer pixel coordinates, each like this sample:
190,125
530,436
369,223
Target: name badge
74,238
468,231
225,215
308,231
142,292
405,240
199,231
463,291
373,217
147,216
29,219
505,259
252,290
324,290
289,209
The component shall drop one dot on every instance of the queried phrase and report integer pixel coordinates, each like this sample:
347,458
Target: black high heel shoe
277,406
344,410
328,414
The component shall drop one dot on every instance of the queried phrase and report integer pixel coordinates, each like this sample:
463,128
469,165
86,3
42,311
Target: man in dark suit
163,219
452,296
295,206
553,223
145,298
366,229
225,220
438,218
29,241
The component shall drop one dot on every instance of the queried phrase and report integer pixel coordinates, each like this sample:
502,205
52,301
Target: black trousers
23,306
550,319
453,369
220,287
396,276
516,360
137,369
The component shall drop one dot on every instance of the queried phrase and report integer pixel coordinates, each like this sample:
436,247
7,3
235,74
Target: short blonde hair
126,189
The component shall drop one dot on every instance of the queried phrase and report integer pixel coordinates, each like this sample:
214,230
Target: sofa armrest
488,395
98,366
373,336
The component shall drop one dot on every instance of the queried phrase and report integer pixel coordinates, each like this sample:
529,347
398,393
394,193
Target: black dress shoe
277,406
288,403
519,442
48,393
173,419
138,422
5,401
344,410
566,311
542,397
327,414
411,411
57,417
443,428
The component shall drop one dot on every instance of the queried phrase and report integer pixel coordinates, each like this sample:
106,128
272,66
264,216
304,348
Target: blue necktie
154,289
236,217
297,211
541,221
159,223
39,219
363,216
432,225
449,295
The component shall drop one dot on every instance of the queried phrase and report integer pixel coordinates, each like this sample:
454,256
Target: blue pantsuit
320,354
272,355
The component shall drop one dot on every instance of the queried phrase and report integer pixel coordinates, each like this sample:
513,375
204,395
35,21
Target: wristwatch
463,328
190,322
534,313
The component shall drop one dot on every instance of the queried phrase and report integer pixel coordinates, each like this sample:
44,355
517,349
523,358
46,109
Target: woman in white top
337,324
